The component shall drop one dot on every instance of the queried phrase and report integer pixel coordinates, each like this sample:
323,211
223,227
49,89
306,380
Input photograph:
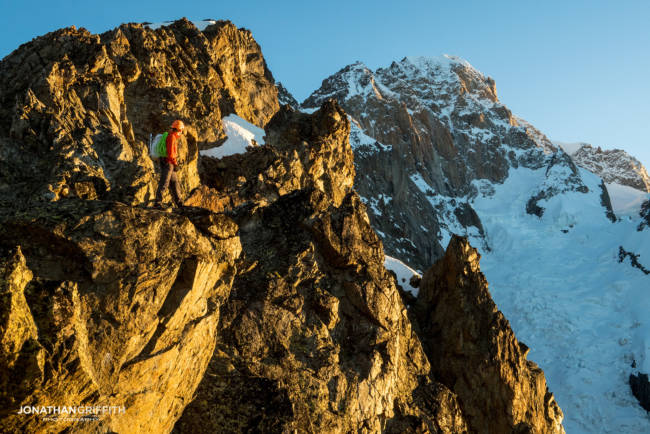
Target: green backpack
158,146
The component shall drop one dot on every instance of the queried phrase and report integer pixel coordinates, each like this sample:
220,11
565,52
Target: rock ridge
77,109
613,166
315,319
473,350
261,305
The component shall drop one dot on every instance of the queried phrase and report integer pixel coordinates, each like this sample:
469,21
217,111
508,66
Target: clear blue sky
578,70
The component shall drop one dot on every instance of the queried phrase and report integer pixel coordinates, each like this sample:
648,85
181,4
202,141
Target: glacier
584,314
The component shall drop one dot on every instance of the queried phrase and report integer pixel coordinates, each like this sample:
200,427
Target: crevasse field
585,315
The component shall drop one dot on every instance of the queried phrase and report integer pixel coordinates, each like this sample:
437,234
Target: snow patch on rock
446,210
403,272
241,134
361,142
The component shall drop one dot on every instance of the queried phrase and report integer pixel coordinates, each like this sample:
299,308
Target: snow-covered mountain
438,154
445,138
613,166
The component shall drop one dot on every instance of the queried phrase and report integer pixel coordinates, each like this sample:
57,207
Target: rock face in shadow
473,351
644,213
641,389
606,202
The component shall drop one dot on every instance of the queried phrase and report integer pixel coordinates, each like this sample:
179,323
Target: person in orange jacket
169,166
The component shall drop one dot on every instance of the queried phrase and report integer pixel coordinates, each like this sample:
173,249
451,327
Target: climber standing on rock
169,166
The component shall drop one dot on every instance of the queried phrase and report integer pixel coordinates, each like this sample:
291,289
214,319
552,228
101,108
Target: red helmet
178,125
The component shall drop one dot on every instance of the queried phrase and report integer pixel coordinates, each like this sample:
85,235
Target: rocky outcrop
562,166
613,166
76,109
634,259
104,304
641,389
606,202
473,351
444,138
304,151
314,336
644,213
262,305
316,322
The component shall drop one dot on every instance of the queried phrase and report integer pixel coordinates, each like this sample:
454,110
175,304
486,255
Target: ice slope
626,201
241,134
559,282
